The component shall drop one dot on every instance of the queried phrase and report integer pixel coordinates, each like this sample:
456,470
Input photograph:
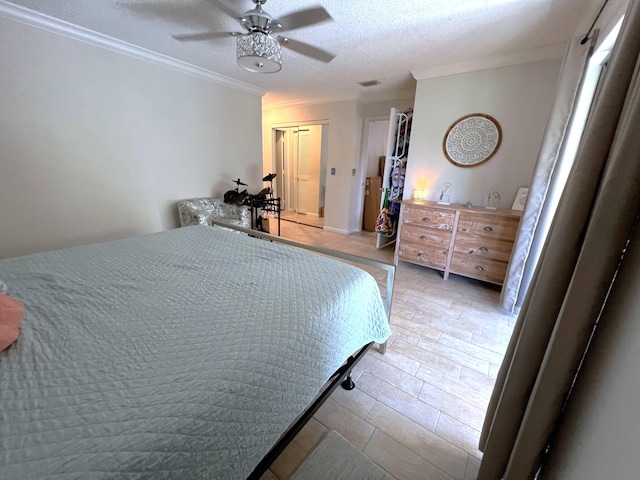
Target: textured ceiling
392,41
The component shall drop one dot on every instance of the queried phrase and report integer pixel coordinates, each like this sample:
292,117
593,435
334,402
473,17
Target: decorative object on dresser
418,193
493,197
469,241
521,198
472,140
445,194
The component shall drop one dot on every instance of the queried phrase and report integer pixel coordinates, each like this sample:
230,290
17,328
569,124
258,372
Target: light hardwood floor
417,410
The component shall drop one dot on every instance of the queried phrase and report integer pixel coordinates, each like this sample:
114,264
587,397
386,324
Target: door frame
285,185
285,125
364,163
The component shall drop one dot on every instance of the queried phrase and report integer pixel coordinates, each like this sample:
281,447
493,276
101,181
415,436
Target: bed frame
343,375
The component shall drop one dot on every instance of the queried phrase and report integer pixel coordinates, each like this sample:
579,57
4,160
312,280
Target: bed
185,354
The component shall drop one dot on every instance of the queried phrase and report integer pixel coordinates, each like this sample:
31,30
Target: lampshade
258,52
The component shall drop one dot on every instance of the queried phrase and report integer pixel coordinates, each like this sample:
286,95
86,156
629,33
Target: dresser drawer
425,236
476,246
426,255
479,268
488,225
428,217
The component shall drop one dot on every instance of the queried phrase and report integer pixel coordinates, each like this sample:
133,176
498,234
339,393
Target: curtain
577,266
547,181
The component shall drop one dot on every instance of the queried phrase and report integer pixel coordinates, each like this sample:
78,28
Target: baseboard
336,230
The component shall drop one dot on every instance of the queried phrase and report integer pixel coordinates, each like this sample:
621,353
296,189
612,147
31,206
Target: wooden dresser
474,242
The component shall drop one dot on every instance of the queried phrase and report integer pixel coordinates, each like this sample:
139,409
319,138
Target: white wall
519,97
376,145
98,145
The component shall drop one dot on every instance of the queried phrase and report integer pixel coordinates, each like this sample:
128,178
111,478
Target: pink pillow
11,311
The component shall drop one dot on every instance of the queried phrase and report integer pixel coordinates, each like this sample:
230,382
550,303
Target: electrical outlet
333,171
353,172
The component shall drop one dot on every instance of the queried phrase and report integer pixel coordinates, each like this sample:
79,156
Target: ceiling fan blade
226,8
306,49
194,37
302,18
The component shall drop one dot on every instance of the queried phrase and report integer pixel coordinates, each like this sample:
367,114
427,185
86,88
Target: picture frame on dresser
521,199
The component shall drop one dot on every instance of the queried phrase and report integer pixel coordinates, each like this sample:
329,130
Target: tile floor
303,218
417,410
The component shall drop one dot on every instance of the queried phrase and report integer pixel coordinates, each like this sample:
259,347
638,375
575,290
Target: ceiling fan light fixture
259,52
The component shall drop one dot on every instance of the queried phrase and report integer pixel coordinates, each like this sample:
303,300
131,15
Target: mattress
182,354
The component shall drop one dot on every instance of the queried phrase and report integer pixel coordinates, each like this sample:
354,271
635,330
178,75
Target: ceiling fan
257,49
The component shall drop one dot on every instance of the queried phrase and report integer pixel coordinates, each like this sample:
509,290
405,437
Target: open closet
393,176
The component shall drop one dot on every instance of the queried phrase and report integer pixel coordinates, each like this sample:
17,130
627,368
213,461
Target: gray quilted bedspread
182,354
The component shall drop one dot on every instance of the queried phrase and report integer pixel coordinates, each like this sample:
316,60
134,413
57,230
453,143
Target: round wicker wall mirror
472,140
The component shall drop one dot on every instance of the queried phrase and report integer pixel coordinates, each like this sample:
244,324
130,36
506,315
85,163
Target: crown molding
547,52
309,101
60,27
383,96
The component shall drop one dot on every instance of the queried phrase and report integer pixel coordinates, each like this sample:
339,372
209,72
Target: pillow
11,311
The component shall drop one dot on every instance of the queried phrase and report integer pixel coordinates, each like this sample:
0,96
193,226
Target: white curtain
548,178
577,267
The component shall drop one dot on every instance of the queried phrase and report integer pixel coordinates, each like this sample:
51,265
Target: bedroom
71,177
165,117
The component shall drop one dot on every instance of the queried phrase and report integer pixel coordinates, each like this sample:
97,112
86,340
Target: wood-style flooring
304,219
417,410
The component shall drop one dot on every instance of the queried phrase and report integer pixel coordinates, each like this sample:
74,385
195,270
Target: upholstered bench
200,211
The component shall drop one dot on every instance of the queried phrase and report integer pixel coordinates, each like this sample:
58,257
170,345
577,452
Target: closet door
308,169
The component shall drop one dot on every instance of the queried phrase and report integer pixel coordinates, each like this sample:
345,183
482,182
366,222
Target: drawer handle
420,255
423,237
426,219
483,249
488,228
479,268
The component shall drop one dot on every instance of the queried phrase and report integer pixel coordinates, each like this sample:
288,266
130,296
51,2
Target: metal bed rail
342,375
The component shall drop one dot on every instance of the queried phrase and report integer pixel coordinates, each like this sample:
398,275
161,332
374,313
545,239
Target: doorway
301,164
374,149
